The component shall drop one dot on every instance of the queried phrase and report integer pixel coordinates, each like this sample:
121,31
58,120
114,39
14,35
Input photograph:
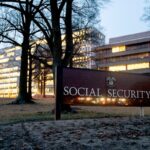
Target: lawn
42,110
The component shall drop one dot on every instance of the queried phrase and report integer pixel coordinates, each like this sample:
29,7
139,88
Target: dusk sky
122,17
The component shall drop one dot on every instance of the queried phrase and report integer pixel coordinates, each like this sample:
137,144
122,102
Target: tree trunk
30,77
41,85
44,83
57,47
23,95
69,33
69,45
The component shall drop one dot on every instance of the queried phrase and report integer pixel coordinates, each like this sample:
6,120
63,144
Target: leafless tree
54,19
146,15
19,31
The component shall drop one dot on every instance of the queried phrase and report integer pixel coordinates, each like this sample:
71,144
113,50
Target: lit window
18,58
50,82
10,54
50,62
12,69
138,66
4,60
117,68
1,56
117,49
12,49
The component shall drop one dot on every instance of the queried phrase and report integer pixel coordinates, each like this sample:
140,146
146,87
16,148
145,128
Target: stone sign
91,87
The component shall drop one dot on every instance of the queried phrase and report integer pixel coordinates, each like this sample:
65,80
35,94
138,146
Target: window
8,70
117,49
10,54
138,66
117,68
4,60
18,58
1,56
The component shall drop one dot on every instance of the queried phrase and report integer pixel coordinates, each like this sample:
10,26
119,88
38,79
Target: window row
130,67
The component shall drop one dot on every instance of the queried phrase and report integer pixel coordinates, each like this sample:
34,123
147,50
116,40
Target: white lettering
98,92
110,93
148,94
92,92
81,91
138,96
125,93
133,94
86,92
73,91
114,93
66,92
119,93
142,94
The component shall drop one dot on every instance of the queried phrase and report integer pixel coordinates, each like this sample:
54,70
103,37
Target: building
83,51
9,71
85,41
130,53
10,60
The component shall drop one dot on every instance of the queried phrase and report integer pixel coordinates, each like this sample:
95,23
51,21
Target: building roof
129,38
126,40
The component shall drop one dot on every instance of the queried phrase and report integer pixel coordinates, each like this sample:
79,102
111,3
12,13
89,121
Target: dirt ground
107,133
119,133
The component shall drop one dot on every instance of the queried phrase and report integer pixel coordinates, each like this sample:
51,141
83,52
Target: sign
91,87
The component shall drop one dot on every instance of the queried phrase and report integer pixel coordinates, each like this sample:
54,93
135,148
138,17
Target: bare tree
146,15
20,27
54,19
63,17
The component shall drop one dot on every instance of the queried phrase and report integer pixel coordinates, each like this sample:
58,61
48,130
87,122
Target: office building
130,53
10,61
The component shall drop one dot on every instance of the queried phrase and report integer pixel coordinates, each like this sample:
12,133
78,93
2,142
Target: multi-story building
10,60
9,71
130,53
83,51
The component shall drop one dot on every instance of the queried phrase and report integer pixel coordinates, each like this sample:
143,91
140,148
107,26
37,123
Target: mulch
118,133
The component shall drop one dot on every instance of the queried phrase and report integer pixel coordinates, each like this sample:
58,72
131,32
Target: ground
32,127
42,109
119,133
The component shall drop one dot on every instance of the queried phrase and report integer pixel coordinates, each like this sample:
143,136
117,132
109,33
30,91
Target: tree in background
64,17
19,31
53,19
146,16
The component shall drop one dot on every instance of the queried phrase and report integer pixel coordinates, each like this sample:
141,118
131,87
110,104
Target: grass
42,111
18,113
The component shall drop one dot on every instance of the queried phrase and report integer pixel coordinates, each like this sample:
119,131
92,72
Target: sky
123,17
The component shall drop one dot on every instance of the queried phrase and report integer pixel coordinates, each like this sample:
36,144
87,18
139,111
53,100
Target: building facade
10,61
84,51
9,71
129,53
